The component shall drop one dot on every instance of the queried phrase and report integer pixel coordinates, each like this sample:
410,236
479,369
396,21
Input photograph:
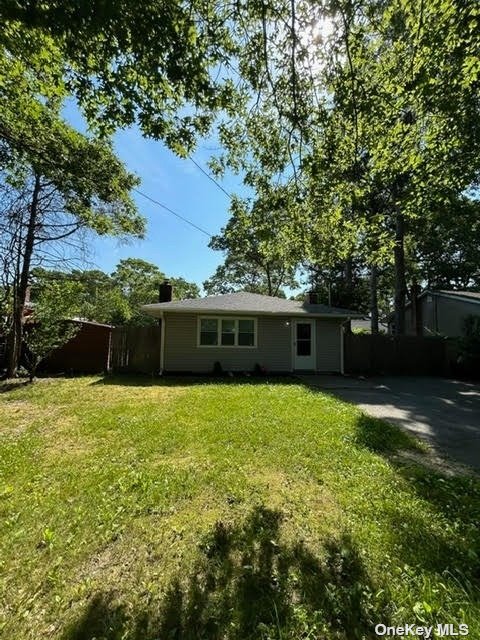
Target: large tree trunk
269,280
348,279
374,299
400,280
14,343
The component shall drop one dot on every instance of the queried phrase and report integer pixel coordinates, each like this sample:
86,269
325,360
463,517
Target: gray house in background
441,312
243,330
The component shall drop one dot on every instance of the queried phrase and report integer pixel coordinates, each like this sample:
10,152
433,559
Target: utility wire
164,206
55,163
210,177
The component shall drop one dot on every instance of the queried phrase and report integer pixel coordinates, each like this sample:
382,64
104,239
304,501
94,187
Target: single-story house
441,312
242,331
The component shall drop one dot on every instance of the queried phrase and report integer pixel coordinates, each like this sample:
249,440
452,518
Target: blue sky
175,247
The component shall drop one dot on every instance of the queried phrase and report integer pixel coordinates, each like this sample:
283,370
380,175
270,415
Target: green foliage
49,328
90,184
261,254
445,246
115,299
139,280
369,113
237,274
122,64
336,287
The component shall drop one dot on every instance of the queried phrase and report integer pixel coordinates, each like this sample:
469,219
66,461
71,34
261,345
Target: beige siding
328,345
273,349
451,315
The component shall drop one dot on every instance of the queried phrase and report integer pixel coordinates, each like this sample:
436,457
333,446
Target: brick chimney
165,292
312,297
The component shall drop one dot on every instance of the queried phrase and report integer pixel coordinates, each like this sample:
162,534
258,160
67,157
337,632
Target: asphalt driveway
445,413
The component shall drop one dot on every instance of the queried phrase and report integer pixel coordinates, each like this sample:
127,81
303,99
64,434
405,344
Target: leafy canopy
158,64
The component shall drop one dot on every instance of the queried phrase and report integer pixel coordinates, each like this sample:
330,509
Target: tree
445,247
89,191
139,281
260,250
98,297
377,124
49,328
237,274
345,285
114,299
182,289
122,63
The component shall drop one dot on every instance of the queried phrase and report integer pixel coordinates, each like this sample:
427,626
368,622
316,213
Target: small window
208,331
246,333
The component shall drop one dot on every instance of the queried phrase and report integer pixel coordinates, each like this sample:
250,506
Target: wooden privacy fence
135,349
395,355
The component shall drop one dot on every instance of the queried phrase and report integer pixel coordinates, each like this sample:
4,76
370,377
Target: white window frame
219,332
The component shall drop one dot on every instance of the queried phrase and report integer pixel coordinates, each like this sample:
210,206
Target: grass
141,510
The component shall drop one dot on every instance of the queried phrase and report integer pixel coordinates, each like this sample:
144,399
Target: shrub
217,369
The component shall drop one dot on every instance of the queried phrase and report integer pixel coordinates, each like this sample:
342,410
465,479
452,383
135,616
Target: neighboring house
440,312
245,330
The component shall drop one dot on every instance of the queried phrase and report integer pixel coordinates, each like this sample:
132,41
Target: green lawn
174,509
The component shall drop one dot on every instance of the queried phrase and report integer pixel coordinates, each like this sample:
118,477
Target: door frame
313,341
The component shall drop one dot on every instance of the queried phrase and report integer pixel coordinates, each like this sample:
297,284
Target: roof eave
155,312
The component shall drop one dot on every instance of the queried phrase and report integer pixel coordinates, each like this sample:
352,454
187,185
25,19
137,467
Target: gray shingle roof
475,295
242,302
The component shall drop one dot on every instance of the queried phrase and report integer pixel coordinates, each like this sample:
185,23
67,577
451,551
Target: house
242,331
441,312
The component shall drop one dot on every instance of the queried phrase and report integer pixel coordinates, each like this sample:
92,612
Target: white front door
304,345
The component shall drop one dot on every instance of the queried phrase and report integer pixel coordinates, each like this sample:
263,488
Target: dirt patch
434,462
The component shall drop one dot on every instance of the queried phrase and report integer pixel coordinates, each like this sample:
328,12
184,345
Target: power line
55,163
164,206
210,177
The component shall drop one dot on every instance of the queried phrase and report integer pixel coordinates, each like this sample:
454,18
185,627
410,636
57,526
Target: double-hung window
227,332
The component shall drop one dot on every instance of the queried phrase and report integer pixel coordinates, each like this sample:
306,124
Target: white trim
451,296
162,345
219,332
313,341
